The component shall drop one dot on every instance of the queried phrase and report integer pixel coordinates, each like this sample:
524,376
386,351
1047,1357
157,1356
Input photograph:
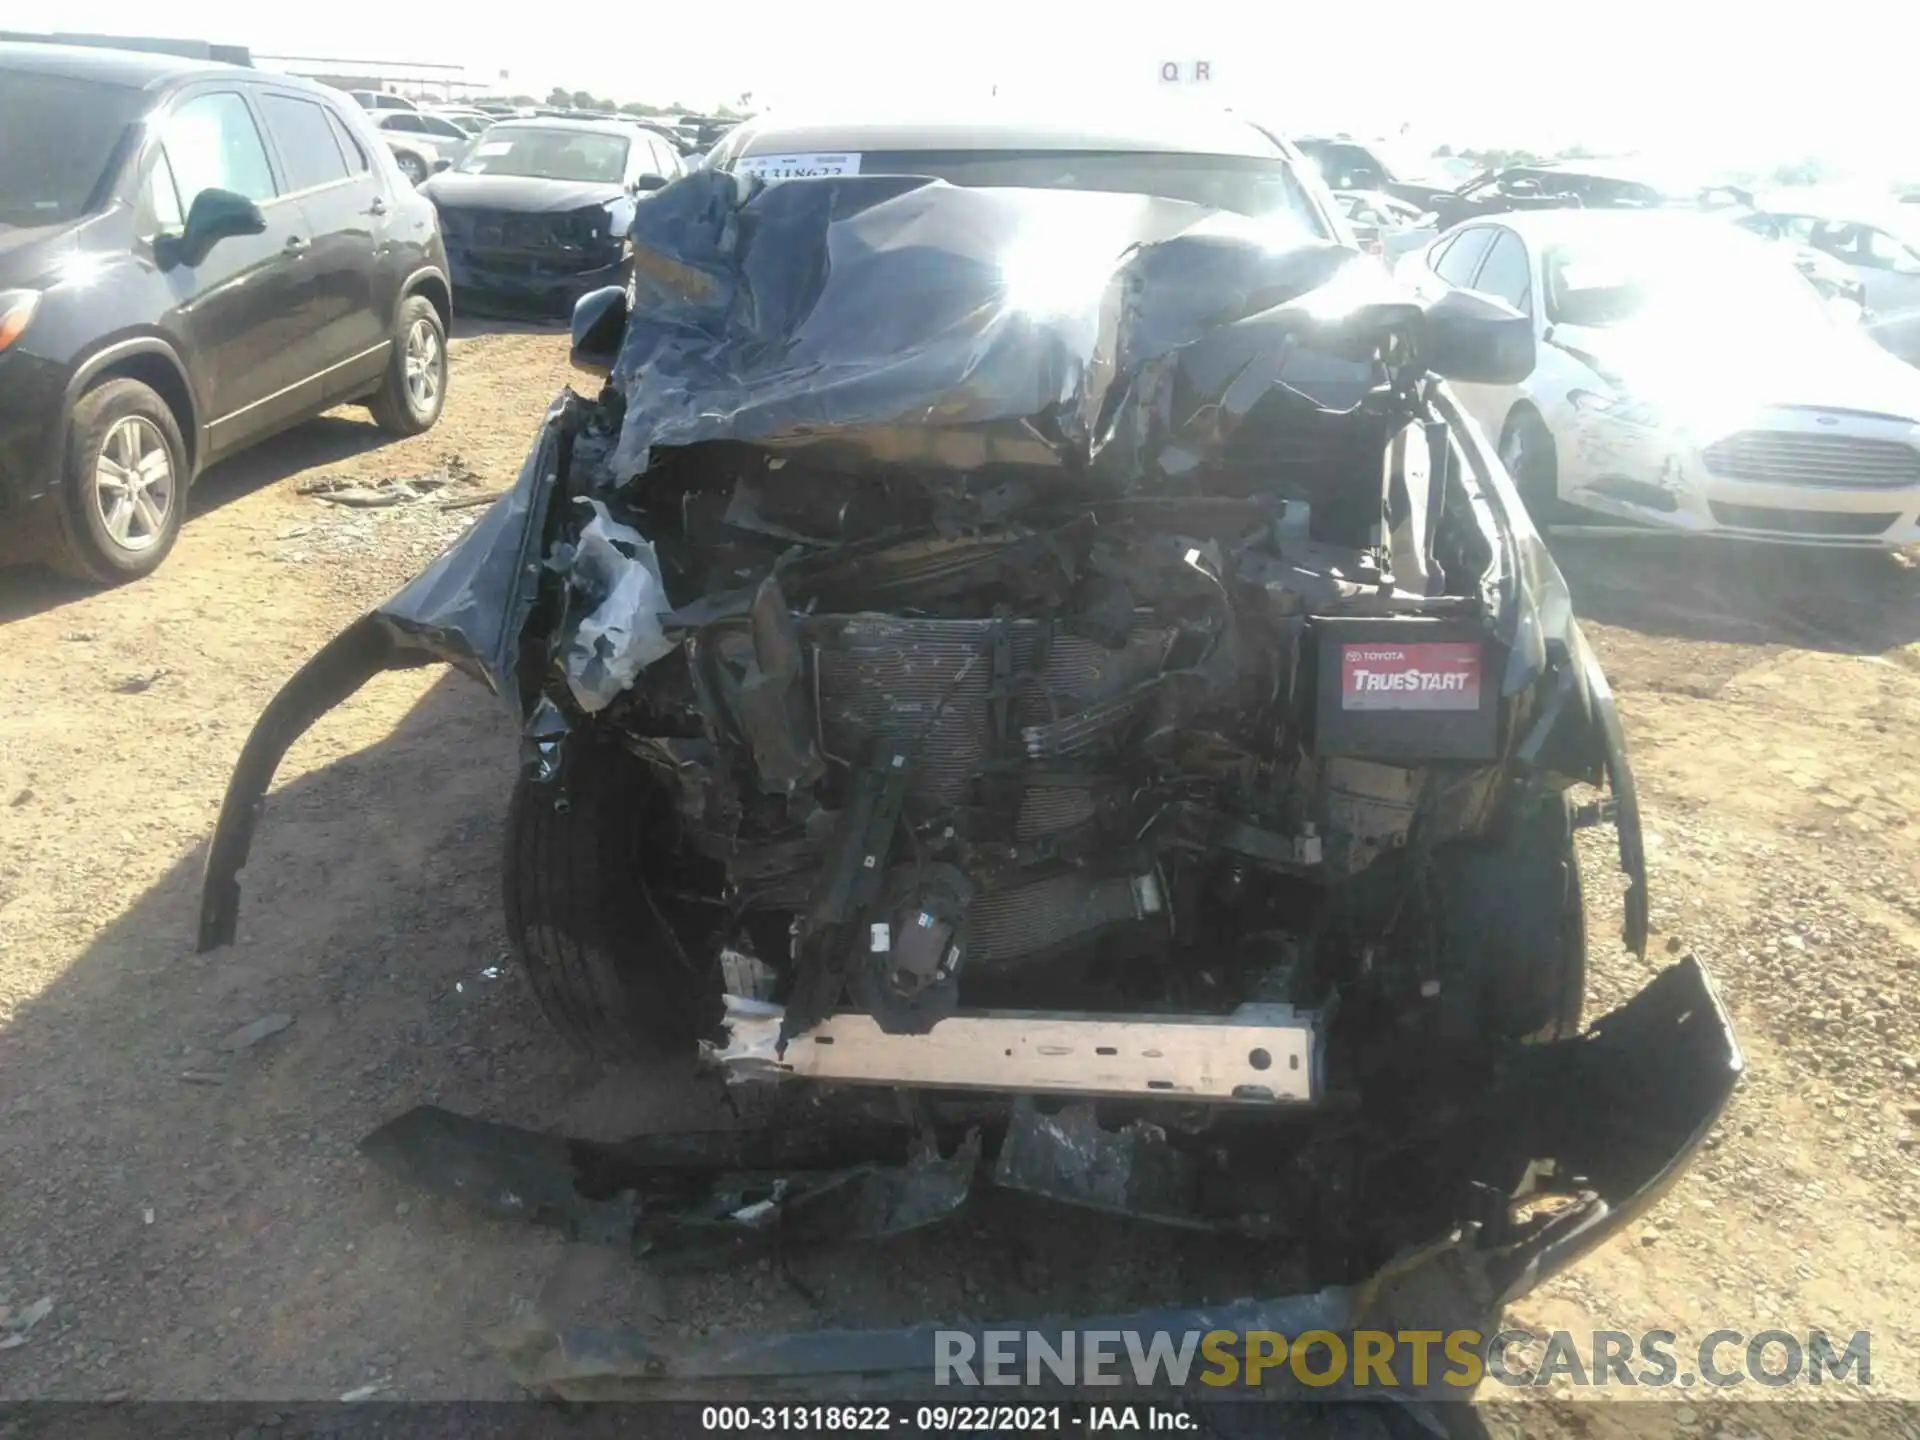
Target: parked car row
237,251
1875,245
1860,251
421,142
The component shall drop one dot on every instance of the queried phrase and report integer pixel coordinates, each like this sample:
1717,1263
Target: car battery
1404,689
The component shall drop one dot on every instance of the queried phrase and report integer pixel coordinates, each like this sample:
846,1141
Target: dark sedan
536,214
192,256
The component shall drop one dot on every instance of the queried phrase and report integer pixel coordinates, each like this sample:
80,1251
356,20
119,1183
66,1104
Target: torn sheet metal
1070,1157
469,605
1262,1055
686,1199
612,563
747,1214
878,313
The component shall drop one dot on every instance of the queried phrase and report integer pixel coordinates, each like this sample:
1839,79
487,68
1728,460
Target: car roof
134,69
1546,227
1866,208
992,127
1629,169
557,122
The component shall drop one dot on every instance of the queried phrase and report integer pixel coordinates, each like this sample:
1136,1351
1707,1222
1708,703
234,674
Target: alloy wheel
133,483
423,363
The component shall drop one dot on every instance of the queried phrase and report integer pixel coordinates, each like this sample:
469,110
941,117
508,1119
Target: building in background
415,79
187,49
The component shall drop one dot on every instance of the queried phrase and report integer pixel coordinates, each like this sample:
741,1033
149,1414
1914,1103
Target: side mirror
442,164
215,215
1478,340
599,322
645,183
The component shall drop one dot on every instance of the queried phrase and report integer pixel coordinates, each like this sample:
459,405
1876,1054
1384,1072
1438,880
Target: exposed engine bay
967,740
1135,732
951,719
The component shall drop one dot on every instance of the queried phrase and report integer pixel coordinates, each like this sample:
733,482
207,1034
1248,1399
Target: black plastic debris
696,1197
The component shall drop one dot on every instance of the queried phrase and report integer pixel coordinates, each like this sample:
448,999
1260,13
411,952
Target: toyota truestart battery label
1433,676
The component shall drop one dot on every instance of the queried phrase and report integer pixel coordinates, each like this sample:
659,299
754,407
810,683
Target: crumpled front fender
468,609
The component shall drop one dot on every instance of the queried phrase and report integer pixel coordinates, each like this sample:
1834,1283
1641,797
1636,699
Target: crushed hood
1118,340
908,319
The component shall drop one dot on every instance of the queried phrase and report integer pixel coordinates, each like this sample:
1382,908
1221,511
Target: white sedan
1689,378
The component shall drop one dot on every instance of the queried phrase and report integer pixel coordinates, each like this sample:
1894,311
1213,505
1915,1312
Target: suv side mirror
599,324
442,164
1477,339
644,183
215,215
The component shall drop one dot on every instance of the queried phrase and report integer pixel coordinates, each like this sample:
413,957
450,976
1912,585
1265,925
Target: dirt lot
204,1227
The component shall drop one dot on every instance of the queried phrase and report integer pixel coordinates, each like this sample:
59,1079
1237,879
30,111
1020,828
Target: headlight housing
16,313
1621,407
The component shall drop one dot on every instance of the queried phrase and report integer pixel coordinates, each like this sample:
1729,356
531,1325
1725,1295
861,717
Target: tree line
561,98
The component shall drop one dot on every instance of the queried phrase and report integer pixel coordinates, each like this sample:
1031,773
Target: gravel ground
203,1228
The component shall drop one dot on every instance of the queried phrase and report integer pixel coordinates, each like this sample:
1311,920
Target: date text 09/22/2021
945,1419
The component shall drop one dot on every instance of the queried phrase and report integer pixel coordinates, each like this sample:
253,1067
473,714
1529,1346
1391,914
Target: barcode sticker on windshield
797,167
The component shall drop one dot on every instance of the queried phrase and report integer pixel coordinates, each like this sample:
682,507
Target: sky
1730,85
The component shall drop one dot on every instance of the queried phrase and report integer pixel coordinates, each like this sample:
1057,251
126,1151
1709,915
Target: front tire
588,917
123,486
411,166
410,399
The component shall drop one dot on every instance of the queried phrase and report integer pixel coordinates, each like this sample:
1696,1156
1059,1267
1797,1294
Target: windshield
57,137
548,154
1730,281
1264,188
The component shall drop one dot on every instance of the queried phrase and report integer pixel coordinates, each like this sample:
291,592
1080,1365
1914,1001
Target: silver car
420,142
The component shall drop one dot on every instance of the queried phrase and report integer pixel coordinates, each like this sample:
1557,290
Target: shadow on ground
29,590
469,327
208,1229
327,440
1844,601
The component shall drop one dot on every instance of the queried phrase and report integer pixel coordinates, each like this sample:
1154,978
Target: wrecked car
1622,184
536,212
1069,661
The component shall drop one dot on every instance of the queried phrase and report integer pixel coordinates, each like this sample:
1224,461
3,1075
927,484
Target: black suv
192,256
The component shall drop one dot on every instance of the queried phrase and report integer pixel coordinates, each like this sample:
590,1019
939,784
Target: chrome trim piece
289,389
